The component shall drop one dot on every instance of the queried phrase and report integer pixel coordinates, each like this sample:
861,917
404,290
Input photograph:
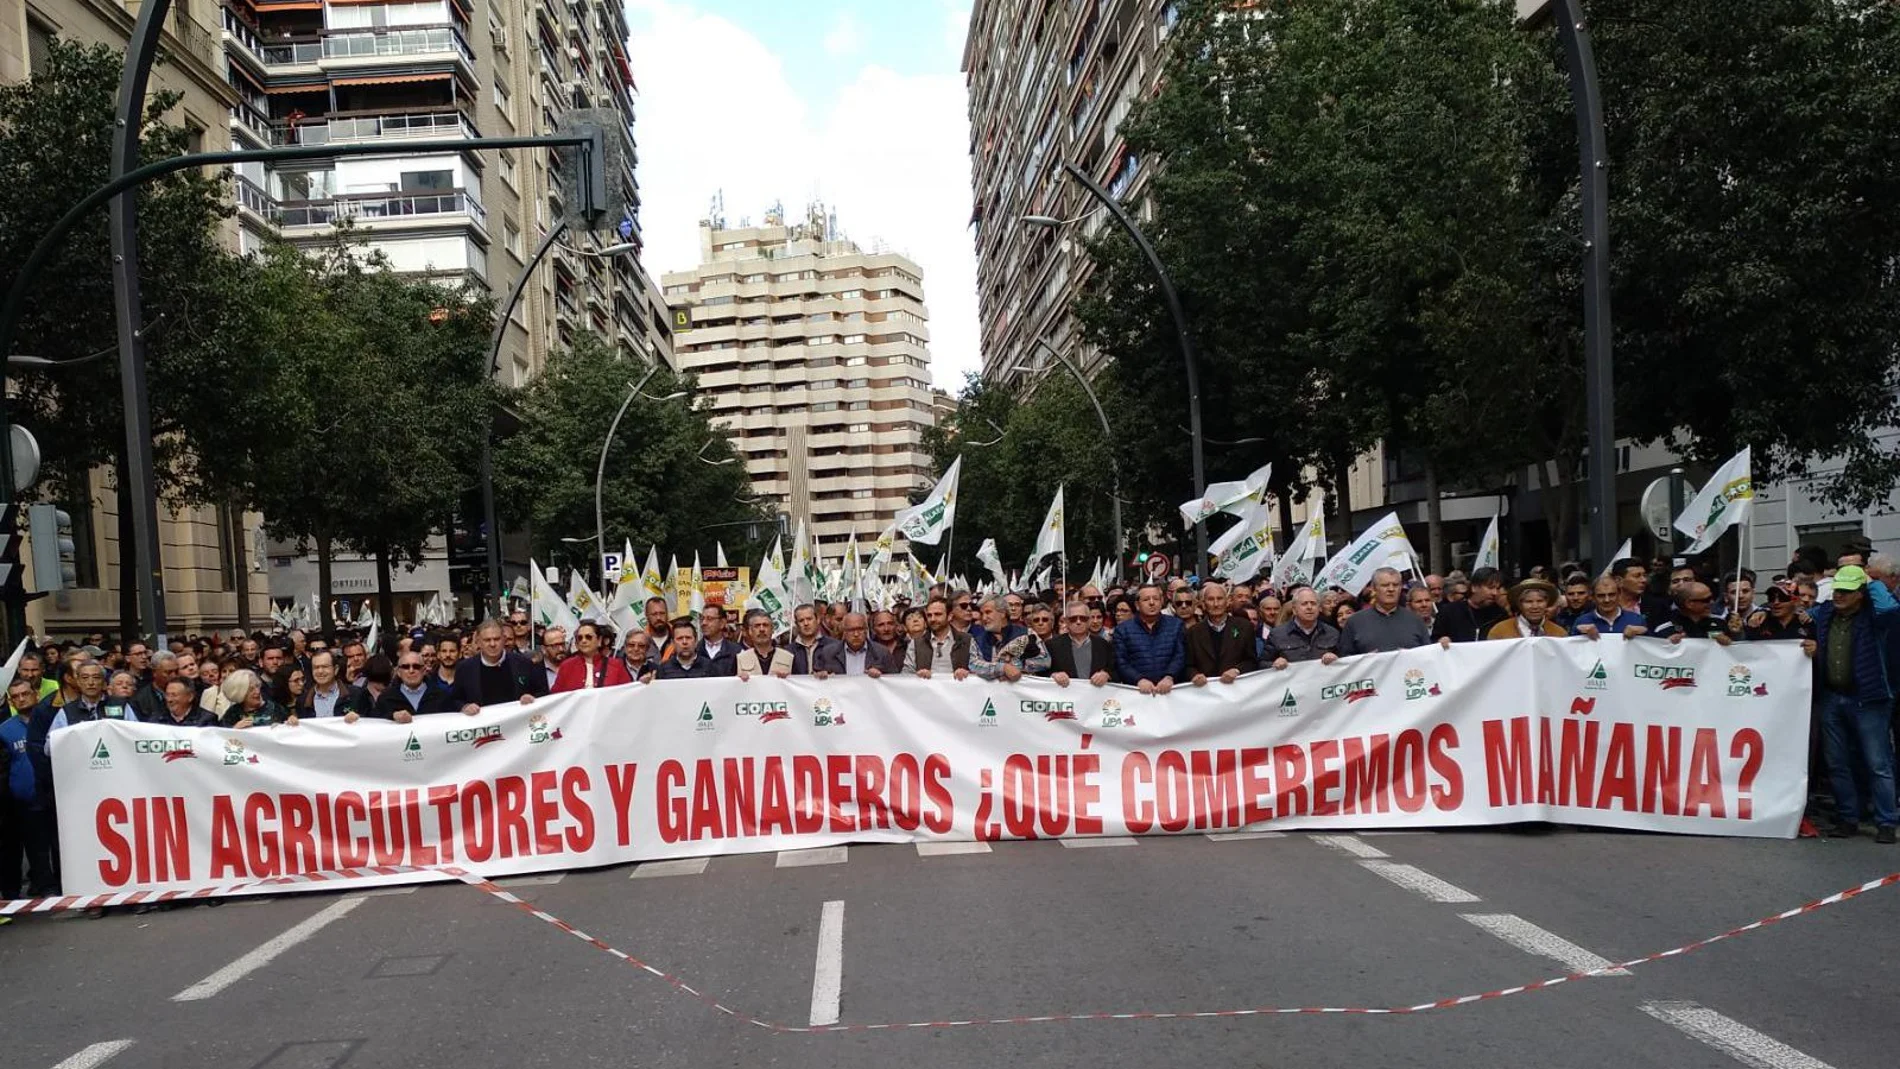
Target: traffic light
55,556
11,587
1142,557
592,197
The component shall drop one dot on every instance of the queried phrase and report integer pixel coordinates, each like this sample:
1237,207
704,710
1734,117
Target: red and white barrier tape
52,905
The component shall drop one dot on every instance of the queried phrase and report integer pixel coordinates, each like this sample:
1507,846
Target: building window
442,181
508,167
39,46
227,548
513,233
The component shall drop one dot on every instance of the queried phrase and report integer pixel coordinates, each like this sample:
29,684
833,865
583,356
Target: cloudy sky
859,103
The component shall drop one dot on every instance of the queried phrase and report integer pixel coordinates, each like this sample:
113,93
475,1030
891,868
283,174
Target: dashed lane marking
946,849
96,1055
1531,939
268,952
827,976
1418,881
1730,1036
1348,844
1243,836
542,880
685,866
1100,840
823,855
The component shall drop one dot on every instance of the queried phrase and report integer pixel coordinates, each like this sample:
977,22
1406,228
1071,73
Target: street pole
1181,333
490,521
600,472
1114,463
1676,495
1598,370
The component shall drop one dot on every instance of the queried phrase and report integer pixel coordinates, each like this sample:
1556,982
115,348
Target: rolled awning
393,79
311,87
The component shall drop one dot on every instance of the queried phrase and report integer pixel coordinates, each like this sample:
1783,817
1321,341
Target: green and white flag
1246,548
582,603
1299,562
1722,504
650,578
1049,540
1623,552
1383,544
546,605
624,604
768,589
798,581
1488,549
1232,497
851,576
885,547
987,556
696,596
929,519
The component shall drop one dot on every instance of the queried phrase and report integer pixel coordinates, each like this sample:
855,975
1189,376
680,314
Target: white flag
1722,504
719,554
547,606
1242,558
696,596
1233,497
1623,552
679,587
1297,564
1251,520
12,667
1488,549
886,546
927,520
375,634
627,593
987,556
582,603
768,590
650,578
801,585
1049,540
1352,569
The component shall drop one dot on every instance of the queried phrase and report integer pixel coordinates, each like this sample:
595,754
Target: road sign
26,457
1158,566
609,569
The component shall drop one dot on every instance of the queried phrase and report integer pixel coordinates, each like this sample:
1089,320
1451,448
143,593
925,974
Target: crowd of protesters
1153,637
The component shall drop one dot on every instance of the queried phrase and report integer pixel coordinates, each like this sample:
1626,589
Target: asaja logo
1352,692
1671,677
765,711
1741,684
235,754
476,737
412,750
101,757
540,730
1417,686
704,721
1289,705
1113,717
1596,678
823,716
987,718
172,749
1050,710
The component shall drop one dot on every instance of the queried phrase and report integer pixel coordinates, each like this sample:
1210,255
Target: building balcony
252,200
377,126
253,123
378,210
341,49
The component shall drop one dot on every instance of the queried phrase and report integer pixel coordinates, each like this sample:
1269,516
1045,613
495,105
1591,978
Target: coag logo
1050,710
1670,677
1741,684
412,750
823,715
476,737
1113,717
540,730
235,754
1417,686
1352,692
763,710
1289,705
170,749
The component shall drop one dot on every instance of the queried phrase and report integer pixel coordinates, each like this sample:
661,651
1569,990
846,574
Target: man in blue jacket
23,827
1854,689
1150,648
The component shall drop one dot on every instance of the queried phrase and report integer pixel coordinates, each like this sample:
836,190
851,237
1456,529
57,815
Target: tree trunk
1342,495
128,560
325,618
385,595
1560,506
240,569
1434,520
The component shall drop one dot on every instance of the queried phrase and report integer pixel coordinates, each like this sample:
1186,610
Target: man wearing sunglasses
1080,652
412,695
1693,616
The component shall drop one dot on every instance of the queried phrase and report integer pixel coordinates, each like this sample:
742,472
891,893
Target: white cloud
717,113
845,36
956,26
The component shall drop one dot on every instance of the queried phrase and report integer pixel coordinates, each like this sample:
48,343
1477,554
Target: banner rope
76,902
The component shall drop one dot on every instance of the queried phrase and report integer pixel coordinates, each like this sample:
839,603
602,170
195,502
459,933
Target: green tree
672,479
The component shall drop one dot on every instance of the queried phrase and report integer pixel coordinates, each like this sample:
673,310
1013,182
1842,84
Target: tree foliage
672,479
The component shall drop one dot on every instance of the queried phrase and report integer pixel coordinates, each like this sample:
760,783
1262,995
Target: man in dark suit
856,654
495,675
1219,645
411,695
1079,653
811,648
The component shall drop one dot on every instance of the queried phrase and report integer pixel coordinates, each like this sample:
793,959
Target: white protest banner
1693,738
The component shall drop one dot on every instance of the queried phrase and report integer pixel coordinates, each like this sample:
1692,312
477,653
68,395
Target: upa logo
823,716
412,750
101,757
1357,690
1596,678
1289,705
1741,684
704,721
475,737
1669,676
1050,710
1417,686
1113,717
540,730
171,749
987,718
235,754
765,711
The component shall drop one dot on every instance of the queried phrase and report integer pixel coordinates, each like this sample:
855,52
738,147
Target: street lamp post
1182,336
1114,463
600,471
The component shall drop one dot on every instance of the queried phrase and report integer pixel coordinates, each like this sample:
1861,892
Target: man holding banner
1385,625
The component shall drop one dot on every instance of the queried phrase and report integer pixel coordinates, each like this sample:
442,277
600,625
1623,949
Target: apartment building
816,355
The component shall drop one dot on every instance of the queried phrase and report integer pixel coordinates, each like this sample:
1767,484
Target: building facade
816,355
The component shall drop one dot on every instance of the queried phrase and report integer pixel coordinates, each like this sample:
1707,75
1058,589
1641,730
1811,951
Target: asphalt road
445,977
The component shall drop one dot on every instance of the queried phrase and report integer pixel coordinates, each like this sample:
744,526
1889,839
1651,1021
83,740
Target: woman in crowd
591,665
249,707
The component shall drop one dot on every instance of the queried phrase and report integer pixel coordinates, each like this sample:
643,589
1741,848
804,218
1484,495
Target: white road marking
1243,836
1531,939
1419,881
1100,840
1415,831
685,866
385,892
827,977
945,849
1731,1037
1350,845
96,1055
266,953
823,855
532,881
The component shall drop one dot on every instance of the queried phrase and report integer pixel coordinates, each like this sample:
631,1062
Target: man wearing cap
1854,690
1533,598
1693,617
1782,619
